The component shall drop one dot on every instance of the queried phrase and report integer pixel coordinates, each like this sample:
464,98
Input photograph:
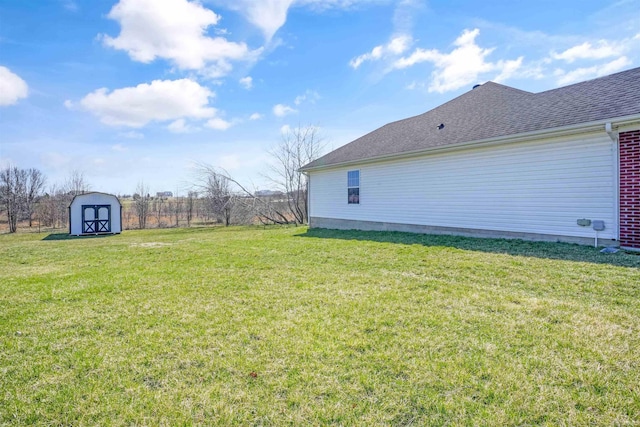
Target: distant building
268,193
164,194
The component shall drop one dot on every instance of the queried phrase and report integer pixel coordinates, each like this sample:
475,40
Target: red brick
630,188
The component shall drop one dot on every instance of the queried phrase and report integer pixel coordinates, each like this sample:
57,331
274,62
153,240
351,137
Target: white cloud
508,69
246,82
285,129
12,87
161,100
281,110
119,148
396,46
270,15
174,30
310,95
596,52
218,124
70,5
580,74
586,50
321,5
216,71
267,15
255,116
460,67
181,126
230,162
55,160
131,135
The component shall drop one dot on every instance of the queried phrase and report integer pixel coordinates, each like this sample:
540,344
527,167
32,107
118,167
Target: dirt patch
150,245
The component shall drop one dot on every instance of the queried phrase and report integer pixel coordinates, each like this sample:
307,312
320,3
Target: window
353,187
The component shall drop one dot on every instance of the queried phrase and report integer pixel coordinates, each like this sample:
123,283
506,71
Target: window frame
353,191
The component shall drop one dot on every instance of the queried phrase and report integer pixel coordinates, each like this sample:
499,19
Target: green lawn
289,326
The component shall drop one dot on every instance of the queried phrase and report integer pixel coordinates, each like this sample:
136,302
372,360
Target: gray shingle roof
494,110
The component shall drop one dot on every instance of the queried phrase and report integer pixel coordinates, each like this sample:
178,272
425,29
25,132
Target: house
95,213
560,165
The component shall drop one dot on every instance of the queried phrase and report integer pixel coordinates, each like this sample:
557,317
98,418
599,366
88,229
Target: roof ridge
479,88
590,81
500,85
495,110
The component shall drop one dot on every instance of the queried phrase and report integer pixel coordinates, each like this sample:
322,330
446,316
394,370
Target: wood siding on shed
540,187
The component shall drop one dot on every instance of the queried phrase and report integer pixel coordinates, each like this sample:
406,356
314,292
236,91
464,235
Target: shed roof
493,110
93,193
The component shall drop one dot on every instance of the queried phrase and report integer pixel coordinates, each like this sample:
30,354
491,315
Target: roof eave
520,137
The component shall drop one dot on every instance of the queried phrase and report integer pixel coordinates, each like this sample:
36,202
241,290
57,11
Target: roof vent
475,86
441,126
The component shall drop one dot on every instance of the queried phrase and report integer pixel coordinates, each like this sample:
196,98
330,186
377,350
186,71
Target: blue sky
143,90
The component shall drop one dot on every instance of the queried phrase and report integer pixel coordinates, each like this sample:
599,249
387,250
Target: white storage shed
95,213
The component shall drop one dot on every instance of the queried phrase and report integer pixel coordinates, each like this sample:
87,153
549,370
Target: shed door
96,219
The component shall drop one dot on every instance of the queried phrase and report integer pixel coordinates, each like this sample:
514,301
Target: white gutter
608,127
595,126
308,185
613,134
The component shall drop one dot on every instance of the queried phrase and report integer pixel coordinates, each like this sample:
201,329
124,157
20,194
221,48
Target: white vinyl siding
538,187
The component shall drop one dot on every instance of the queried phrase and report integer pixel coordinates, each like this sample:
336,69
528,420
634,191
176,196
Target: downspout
308,198
613,135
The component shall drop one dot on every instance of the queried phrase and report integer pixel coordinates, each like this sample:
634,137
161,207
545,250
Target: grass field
289,326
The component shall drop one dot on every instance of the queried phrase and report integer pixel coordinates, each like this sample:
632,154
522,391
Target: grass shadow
67,236
516,247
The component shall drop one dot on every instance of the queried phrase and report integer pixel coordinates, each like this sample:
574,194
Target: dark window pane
353,196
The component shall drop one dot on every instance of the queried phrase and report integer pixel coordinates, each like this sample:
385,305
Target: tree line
214,196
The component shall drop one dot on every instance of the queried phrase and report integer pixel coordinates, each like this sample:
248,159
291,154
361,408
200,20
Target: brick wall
630,189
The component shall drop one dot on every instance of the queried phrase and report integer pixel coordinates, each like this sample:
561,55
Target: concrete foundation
345,224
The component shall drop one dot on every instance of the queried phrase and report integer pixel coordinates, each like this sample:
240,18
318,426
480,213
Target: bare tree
298,147
157,207
13,184
34,186
126,212
218,197
19,191
141,204
52,207
175,207
76,183
246,202
190,206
